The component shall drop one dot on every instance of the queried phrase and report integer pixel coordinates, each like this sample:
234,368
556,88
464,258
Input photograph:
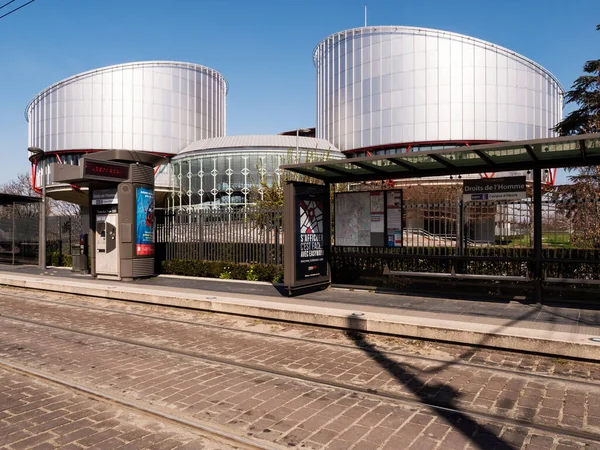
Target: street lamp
37,154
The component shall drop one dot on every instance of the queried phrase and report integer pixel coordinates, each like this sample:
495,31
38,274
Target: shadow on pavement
471,352
429,394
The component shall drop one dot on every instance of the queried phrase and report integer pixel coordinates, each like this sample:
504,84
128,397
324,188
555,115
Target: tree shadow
482,343
587,316
442,397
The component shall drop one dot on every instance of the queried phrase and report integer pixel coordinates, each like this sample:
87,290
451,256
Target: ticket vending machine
107,238
105,215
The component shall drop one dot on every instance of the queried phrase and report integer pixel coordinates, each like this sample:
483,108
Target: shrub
67,261
265,272
226,274
223,270
251,275
278,278
239,271
57,259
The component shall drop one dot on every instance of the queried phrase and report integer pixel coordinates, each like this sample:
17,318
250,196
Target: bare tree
61,208
22,185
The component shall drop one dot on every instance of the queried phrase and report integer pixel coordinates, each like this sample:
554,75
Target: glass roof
568,151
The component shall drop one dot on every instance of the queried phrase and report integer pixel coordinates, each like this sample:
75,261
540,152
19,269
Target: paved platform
560,330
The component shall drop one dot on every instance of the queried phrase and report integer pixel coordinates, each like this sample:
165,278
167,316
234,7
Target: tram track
203,429
439,407
350,347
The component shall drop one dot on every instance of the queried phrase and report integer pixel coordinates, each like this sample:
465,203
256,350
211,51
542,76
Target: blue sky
263,47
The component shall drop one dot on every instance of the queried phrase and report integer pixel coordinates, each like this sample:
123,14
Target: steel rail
432,404
207,431
539,376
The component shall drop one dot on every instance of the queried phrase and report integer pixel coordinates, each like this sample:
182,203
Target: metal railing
485,239
475,238
245,235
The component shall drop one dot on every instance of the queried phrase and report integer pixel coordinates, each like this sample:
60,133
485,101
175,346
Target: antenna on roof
365,15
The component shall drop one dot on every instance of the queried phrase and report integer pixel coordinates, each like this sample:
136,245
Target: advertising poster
144,243
312,228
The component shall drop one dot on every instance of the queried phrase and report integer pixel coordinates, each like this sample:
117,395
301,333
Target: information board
353,219
105,170
363,219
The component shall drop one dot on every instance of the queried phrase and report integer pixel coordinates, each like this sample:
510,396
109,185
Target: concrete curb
502,336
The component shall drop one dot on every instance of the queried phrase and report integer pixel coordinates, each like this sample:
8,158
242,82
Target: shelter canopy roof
9,199
567,151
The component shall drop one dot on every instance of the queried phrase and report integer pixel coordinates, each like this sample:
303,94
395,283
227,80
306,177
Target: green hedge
225,270
246,252
56,259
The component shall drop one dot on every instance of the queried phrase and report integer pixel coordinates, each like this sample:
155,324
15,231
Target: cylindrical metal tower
416,86
154,106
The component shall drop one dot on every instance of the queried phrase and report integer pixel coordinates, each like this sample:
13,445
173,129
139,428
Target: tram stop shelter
533,155
121,207
22,245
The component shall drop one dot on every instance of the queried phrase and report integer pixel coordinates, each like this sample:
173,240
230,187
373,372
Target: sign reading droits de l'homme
507,188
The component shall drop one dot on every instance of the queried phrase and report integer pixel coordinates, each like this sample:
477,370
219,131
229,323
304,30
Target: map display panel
368,219
353,219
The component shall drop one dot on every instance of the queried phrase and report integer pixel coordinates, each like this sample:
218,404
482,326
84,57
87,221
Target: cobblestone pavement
299,413
38,416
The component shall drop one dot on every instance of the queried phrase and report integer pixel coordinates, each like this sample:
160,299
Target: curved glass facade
232,176
384,85
155,106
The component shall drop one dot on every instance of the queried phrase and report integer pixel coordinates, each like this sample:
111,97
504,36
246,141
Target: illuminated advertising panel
144,237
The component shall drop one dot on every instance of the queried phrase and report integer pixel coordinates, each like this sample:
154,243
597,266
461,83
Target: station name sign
105,197
489,189
102,170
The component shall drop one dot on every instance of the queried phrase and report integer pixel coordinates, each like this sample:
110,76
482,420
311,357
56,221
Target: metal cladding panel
385,85
142,267
142,174
156,106
260,141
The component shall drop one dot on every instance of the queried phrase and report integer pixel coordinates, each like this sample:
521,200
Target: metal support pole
60,249
460,232
297,153
327,243
537,235
465,235
42,245
276,243
13,233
